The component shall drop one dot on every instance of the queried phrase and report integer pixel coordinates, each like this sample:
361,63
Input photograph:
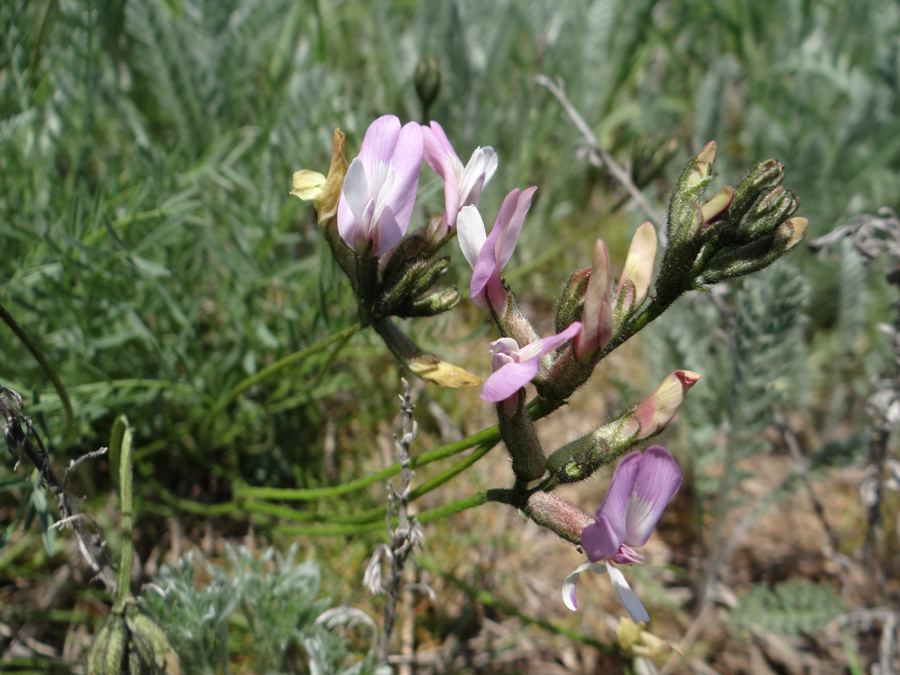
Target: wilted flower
640,489
462,184
488,254
514,367
324,192
380,186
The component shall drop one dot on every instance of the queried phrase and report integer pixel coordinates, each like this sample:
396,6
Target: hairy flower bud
657,410
564,519
571,303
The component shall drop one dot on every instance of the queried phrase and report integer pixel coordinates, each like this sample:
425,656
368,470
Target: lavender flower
379,189
488,254
514,367
640,489
462,184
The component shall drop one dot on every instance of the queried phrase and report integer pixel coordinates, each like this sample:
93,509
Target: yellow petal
443,373
308,185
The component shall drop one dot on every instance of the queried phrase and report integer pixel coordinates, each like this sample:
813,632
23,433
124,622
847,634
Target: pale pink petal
379,142
509,379
539,348
628,597
487,266
509,234
437,148
406,163
656,482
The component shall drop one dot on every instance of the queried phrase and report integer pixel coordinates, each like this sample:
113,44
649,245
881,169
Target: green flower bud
427,81
107,655
571,303
432,305
763,178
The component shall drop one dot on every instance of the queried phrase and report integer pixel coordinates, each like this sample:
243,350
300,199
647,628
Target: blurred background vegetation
150,249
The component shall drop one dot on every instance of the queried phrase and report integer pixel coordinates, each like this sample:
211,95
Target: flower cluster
365,209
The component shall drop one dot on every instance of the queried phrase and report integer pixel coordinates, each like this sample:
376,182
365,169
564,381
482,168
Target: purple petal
539,348
508,380
379,142
615,503
600,540
655,483
486,265
627,597
406,163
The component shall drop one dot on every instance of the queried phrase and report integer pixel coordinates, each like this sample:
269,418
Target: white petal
627,597
356,188
470,228
568,589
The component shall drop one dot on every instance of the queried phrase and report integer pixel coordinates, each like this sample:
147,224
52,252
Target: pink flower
379,189
639,492
488,254
462,184
514,367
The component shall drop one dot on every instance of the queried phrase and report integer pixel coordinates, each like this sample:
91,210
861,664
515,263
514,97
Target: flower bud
564,519
660,408
427,81
764,177
716,208
772,209
571,303
700,170
634,284
431,305
792,232
596,317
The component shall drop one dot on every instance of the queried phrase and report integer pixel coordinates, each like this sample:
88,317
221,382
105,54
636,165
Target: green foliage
752,370
264,608
787,608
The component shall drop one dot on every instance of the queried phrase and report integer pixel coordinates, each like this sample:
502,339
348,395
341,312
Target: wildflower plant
395,273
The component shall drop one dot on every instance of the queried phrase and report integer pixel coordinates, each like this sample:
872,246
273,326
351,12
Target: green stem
282,364
122,452
458,506
488,437
36,352
375,515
